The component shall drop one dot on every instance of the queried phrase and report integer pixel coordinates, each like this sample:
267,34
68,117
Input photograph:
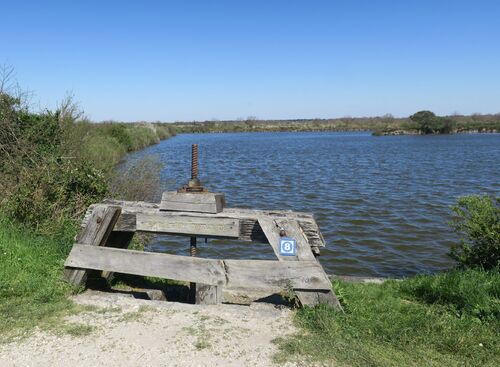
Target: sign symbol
288,246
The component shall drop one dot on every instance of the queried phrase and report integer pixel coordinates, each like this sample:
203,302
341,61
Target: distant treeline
382,125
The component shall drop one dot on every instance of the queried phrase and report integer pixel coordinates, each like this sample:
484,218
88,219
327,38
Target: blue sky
197,60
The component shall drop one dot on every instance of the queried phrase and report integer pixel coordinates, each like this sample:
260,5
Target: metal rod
194,161
192,248
192,286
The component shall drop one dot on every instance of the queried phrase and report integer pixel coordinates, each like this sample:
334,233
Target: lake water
382,203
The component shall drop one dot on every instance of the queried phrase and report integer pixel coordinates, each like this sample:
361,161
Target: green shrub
102,151
428,123
119,132
478,222
52,193
137,181
163,131
142,136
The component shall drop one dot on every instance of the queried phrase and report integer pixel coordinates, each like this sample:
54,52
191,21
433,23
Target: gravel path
132,332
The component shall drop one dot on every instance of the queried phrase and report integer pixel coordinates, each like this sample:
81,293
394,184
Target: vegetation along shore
53,164
423,122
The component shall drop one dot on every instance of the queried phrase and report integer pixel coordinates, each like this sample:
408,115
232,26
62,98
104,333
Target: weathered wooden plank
219,227
192,202
183,268
306,296
144,206
117,240
275,275
249,228
291,228
271,228
236,274
271,231
95,233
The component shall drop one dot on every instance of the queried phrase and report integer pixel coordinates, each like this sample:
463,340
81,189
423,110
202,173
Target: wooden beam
175,267
233,274
271,231
187,225
192,202
117,240
95,233
293,230
272,228
275,275
250,229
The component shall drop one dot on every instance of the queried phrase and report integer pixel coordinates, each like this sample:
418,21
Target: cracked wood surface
266,275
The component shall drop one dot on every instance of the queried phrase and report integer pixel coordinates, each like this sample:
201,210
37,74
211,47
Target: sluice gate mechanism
193,211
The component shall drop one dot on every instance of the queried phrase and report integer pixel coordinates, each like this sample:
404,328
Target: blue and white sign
288,246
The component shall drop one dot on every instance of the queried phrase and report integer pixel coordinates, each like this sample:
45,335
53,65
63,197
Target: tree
428,123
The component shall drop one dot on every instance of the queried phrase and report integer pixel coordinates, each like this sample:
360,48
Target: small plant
341,294
478,223
289,296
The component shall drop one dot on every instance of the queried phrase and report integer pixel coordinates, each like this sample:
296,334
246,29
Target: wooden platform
108,228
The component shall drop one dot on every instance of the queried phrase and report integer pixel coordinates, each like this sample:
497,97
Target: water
382,203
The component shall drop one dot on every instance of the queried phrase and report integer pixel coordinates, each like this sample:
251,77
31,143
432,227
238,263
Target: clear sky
197,60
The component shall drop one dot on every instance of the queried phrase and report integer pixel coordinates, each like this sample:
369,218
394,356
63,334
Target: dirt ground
131,332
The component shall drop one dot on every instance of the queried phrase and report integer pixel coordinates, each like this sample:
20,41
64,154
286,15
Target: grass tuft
32,291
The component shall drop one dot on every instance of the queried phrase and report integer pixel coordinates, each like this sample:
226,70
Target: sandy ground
132,332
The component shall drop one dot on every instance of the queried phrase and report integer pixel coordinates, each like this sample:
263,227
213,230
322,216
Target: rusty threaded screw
194,161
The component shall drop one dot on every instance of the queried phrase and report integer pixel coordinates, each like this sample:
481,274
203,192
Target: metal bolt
194,161
194,184
192,248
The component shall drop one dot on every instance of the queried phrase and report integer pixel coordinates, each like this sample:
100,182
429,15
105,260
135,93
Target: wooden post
203,294
206,294
95,233
292,229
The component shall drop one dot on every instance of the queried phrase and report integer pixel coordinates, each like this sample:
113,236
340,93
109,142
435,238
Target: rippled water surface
382,203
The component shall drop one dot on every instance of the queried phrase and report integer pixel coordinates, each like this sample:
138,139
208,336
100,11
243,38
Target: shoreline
413,132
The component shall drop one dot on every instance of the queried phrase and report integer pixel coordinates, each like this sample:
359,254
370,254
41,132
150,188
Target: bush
428,123
103,151
119,132
478,222
142,136
138,181
52,193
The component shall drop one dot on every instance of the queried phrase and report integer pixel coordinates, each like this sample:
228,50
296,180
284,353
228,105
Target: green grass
447,320
32,292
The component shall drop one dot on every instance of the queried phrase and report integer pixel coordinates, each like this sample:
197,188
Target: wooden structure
108,228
